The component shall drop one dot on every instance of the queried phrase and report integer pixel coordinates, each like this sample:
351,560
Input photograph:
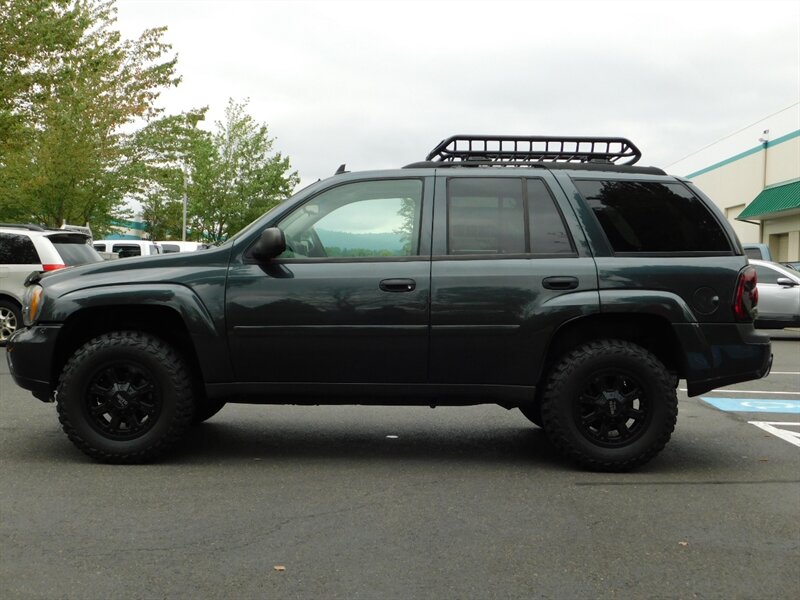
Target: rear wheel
125,397
610,405
10,320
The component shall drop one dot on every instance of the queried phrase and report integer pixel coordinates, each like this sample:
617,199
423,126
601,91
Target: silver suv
27,248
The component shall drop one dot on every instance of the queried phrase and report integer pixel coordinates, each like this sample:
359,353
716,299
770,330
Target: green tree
160,156
69,86
235,176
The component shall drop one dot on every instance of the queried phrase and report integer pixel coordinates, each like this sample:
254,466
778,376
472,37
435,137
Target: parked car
778,295
27,248
757,251
547,274
795,266
171,246
127,248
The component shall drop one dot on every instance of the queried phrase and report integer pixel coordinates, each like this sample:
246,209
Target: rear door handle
398,285
560,283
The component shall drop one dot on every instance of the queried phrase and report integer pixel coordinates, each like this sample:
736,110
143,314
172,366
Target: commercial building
753,175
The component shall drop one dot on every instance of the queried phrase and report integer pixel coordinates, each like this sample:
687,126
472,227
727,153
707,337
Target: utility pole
764,139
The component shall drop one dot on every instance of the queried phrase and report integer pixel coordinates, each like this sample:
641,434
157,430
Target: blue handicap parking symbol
753,405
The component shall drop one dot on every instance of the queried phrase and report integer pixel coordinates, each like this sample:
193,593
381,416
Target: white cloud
377,84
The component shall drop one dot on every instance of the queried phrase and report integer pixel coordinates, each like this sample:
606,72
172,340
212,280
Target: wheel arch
652,332
161,321
9,298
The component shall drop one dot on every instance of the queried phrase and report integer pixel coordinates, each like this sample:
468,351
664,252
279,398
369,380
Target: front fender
180,298
206,330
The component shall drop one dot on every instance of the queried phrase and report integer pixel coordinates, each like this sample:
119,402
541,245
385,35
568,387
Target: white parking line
793,437
730,390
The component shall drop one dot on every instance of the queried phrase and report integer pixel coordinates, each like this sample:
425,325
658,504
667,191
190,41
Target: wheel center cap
120,395
614,402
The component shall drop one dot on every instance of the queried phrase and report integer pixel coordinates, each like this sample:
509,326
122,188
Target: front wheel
610,405
10,320
125,397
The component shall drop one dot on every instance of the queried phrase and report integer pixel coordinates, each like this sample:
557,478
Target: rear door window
548,233
653,217
17,250
494,216
485,216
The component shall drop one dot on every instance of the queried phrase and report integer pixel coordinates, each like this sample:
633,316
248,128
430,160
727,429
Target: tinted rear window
548,232
17,250
74,250
485,216
653,217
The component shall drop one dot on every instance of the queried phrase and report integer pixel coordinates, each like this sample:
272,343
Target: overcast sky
378,84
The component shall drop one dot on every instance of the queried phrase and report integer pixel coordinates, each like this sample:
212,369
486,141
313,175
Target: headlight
32,304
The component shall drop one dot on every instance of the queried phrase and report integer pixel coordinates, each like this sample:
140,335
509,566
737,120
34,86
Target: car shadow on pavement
224,441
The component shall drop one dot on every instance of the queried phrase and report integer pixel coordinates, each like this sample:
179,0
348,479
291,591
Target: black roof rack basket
513,150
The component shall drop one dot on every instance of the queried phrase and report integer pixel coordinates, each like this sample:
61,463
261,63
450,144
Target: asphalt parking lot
374,502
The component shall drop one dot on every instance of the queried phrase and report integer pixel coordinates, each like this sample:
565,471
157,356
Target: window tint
74,250
126,250
17,250
485,216
548,232
364,219
653,217
766,275
170,248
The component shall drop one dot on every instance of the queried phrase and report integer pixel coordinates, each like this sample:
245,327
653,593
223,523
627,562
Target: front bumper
720,354
30,354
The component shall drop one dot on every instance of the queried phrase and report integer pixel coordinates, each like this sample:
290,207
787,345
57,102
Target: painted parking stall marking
753,405
789,432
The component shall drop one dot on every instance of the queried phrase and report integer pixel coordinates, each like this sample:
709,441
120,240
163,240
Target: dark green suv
545,274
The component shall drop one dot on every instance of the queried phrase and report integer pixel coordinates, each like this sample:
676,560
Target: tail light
53,267
746,298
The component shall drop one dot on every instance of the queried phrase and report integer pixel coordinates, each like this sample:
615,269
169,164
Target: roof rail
515,150
27,226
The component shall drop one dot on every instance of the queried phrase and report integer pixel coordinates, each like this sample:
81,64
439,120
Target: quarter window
368,219
653,217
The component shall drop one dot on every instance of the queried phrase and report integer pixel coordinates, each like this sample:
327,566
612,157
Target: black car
546,274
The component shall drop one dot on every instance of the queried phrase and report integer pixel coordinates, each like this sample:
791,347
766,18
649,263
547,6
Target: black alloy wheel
125,397
613,409
610,405
123,400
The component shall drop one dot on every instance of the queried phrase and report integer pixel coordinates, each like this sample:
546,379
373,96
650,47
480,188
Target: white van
127,248
171,246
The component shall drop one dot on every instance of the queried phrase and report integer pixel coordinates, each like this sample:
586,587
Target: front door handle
560,283
398,285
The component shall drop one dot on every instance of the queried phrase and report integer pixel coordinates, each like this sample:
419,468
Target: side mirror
786,282
271,243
